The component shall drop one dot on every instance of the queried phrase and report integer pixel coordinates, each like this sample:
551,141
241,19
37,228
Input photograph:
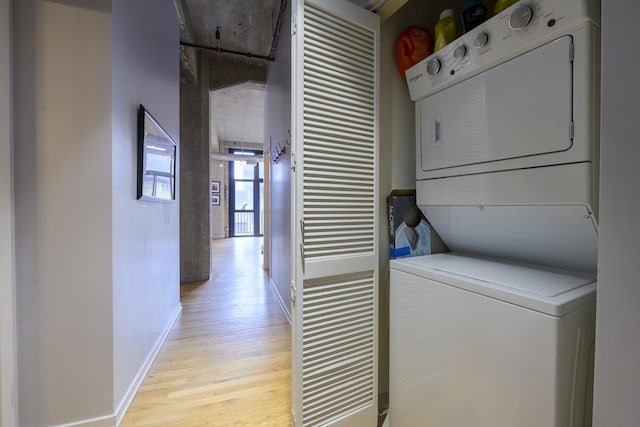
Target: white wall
97,271
277,121
7,284
397,144
219,170
62,130
397,121
617,367
219,213
146,277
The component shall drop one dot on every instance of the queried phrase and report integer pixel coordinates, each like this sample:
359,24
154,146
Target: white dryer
507,135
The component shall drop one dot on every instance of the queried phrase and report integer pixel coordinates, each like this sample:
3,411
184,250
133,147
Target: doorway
246,194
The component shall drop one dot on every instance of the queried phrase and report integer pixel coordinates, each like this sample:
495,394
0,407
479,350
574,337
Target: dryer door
502,118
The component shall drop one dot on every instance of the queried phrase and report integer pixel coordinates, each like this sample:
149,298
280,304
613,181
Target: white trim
278,297
144,369
116,419
8,369
266,233
106,421
388,8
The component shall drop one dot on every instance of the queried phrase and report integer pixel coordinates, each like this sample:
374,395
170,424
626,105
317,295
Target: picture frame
156,177
215,199
215,186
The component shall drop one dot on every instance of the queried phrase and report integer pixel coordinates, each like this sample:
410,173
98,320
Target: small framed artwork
215,186
215,199
156,160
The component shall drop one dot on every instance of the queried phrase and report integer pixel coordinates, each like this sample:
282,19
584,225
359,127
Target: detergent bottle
474,14
502,5
413,45
445,30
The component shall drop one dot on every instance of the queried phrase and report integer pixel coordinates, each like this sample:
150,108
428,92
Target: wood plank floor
227,361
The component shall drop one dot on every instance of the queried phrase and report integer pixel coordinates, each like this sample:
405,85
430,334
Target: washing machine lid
549,291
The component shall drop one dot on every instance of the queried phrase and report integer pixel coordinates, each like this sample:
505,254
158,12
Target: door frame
8,367
256,194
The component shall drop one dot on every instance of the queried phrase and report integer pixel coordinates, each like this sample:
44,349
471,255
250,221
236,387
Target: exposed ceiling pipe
276,32
223,50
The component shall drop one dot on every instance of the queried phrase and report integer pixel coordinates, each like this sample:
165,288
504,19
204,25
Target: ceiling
245,26
248,31
237,113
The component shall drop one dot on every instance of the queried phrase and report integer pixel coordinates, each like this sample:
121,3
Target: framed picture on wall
215,199
215,186
156,160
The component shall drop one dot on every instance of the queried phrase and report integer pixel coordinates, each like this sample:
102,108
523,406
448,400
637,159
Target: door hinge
293,293
293,162
294,24
571,130
302,230
571,52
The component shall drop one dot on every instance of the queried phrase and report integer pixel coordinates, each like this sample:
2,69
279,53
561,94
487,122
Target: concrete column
195,227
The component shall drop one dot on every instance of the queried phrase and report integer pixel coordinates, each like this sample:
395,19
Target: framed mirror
156,160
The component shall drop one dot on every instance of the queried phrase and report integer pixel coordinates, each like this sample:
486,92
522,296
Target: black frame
153,139
256,196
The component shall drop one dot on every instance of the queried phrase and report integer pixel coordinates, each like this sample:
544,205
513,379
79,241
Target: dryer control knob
520,17
433,67
481,40
460,51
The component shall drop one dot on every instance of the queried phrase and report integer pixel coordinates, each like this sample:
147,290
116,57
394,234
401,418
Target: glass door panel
244,215
247,195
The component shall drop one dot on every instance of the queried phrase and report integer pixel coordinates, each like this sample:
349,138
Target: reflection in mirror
156,160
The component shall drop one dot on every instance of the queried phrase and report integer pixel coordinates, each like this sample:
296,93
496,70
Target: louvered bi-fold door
335,274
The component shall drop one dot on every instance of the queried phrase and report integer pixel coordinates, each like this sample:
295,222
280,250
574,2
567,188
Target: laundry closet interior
500,329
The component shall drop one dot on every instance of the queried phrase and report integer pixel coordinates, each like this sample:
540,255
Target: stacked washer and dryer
499,332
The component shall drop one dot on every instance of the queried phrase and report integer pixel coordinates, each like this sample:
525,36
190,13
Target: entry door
334,207
246,195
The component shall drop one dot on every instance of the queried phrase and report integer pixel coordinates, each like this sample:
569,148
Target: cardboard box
409,231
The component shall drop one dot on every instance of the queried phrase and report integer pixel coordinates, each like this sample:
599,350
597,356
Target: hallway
227,360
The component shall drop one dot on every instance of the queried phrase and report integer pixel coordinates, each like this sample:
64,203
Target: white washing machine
480,343
507,173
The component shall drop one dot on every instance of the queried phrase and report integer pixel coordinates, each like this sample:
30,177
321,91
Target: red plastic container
413,45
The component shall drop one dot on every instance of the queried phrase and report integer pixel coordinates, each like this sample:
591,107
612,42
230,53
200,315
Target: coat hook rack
277,152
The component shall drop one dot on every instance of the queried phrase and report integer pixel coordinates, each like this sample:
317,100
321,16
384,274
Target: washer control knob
433,67
521,17
460,51
481,40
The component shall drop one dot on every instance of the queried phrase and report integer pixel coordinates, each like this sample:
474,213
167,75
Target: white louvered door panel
335,274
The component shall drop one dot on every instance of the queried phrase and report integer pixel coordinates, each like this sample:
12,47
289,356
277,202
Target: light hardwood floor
227,361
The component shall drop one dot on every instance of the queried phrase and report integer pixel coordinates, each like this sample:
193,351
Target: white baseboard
142,372
283,306
106,421
115,419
